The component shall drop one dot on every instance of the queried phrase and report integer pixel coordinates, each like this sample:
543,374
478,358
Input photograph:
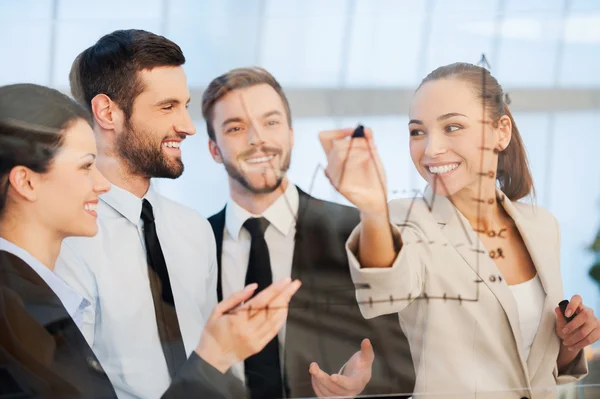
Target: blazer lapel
464,239
536,239
217,222
300,237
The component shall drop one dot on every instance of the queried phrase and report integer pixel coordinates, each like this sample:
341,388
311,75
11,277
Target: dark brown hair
32,122
111,66
513,173
238,79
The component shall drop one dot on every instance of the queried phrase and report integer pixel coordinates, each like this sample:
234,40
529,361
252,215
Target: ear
107,114
25,182
504,132
214,151
291,138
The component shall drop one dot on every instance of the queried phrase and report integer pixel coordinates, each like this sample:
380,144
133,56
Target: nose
255,136
185,125
436,144
101,184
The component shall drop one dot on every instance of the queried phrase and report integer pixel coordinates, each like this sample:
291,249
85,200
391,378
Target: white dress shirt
530,297
110,270
71,300
236,248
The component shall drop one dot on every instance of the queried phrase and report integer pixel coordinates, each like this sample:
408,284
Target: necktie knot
256,227
147,213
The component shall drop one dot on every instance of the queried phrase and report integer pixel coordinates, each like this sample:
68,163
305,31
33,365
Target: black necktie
263,370
162,295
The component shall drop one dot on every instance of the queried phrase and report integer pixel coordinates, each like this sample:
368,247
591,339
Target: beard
236,173
143,154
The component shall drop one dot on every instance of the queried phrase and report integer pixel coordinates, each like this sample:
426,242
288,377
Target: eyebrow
238,119
88,155
171,101
440,118
271,113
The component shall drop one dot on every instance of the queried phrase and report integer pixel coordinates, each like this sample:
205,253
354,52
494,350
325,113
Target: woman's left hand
580,332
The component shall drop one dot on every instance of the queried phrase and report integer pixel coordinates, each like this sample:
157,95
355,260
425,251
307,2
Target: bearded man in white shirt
150,273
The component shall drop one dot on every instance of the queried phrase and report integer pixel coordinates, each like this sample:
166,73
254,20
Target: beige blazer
459,315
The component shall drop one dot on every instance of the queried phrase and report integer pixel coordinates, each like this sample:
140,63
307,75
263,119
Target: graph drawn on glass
498,252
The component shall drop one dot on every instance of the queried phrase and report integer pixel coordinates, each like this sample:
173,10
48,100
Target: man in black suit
271,229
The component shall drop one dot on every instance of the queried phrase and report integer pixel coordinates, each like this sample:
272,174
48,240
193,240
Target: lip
92,213
428,164
443,175
260,155
171,149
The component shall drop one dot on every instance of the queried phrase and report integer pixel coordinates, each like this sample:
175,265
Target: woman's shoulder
535,213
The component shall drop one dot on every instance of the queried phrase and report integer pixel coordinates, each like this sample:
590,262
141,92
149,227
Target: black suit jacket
44,355
324,322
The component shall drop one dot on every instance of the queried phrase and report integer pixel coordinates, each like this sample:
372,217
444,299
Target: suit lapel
465,240
65,346
300,236
217,222
534,237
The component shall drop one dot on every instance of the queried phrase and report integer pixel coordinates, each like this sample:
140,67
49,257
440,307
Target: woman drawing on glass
49,188
473,274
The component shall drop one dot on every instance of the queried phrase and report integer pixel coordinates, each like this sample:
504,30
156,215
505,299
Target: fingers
234,300
590,339
269,318
579,332
579,335
561,322
574,304
322,384
366,351
320,391
350,155
577,322
331,139
328,137
263,299
272,313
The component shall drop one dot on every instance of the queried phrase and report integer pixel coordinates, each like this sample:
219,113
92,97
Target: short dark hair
33,119
111,66
235,79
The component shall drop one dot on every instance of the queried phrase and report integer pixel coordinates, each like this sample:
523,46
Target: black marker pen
359,132
563,308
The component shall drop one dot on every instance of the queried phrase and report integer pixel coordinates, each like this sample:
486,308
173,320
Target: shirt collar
126,203
70,299
281,214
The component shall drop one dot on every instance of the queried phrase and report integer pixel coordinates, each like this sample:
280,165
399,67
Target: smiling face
452,137
151,138
67,194
252,138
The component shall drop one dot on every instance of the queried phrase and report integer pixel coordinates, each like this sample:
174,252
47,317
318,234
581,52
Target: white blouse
530,297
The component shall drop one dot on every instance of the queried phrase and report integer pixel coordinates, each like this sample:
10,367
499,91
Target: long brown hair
514,175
